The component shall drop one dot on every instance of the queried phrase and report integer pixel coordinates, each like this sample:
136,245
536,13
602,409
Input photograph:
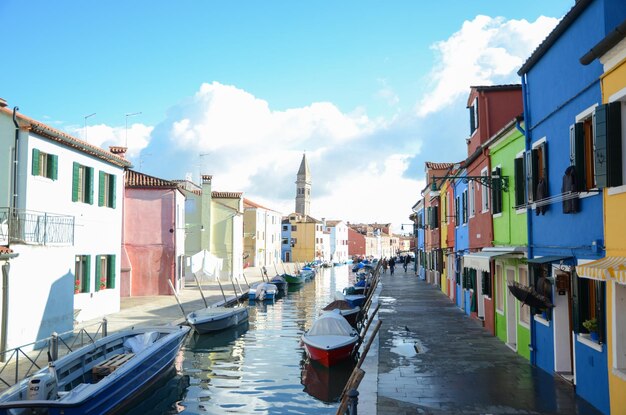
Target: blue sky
369,89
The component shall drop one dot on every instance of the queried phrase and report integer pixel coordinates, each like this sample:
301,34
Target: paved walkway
433,359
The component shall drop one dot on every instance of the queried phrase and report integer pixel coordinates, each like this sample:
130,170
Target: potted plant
592,327
76,286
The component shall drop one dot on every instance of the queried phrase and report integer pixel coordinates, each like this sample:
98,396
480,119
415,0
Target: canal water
259,366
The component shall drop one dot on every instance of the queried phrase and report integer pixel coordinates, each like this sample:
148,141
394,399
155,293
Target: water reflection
259,366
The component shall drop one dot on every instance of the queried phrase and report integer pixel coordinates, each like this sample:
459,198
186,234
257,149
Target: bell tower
303,188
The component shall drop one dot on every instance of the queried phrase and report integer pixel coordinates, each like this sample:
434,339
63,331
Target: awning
547,259
604,269
480,260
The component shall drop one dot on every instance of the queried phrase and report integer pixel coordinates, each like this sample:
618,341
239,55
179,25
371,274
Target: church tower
303,185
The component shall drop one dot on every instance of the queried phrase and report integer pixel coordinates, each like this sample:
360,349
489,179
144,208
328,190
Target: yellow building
611,135
307,238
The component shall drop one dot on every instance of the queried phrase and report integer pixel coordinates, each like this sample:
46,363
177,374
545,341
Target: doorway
511,320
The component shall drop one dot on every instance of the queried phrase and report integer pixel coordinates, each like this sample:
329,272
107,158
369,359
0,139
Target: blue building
285,245
564,208
418,210
461,239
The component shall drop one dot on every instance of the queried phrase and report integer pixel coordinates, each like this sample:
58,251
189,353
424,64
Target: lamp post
132,114
85,125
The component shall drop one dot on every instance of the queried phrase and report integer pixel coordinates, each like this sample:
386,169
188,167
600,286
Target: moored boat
212,319
99,377
355,300
330,340
293,279
279,282
351,314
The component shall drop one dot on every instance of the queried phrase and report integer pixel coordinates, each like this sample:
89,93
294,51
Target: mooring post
105,331
54,346
353,401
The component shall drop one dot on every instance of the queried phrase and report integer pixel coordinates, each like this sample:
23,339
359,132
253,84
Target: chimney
3,103
118,150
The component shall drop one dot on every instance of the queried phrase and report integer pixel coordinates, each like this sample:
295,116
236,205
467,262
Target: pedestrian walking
407,260
392,264
384,265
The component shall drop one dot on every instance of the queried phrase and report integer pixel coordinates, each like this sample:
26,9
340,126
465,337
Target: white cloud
137,136
387,94
485,51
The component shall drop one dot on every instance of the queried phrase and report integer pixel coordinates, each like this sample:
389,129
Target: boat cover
331,324
339,304
141,341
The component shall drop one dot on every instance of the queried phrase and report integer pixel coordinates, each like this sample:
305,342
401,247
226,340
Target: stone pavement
433,359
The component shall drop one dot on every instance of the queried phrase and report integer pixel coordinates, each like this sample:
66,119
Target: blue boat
98,378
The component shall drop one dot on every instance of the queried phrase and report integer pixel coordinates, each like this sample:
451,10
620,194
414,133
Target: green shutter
101,188
89,181
436,216
112,194
98,273
75,183
87,274
53,166
614,144
519,181
35,169
579,156
472,121
534,172
112,270
600,159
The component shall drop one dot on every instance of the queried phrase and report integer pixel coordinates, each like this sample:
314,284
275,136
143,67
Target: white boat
99,377
212,319
263,291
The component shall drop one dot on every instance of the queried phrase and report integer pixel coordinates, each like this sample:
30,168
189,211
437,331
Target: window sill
620,373
586,340
591,192
501,312
524,324
497,215
520,211
616,190
542,320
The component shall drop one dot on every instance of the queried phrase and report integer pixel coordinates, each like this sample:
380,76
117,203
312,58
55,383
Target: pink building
153,237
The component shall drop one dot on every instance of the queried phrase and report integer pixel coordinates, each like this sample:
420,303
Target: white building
61,212
338,240
262,234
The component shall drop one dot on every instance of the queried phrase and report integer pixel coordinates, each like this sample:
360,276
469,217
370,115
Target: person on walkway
407,260
384,265
392,264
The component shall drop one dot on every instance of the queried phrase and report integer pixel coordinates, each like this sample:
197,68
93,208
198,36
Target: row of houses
540,202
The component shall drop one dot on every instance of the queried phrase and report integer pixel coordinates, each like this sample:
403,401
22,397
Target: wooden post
177,300
199,288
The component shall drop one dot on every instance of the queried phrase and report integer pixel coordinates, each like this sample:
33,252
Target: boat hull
293,279
356,300
217,324
330,356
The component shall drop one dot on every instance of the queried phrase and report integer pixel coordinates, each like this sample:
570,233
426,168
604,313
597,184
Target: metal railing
21,362
38,228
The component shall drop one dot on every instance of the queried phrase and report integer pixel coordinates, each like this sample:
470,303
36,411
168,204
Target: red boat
330,340
348,312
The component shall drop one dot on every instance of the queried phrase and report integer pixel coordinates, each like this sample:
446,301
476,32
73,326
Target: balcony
19,226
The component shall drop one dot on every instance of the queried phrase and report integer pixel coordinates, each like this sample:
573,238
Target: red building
490,109
356,243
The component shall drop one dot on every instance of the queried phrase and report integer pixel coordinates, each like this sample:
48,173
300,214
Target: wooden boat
212,319
330,340
99,377
279,282
351,314
263,291
293,279
355,300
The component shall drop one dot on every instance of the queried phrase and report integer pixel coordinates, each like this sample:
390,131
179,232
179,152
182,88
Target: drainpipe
529,216
15,157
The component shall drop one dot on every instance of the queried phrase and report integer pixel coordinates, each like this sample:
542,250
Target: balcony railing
37,228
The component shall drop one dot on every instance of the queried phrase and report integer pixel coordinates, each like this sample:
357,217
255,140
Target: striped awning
604,269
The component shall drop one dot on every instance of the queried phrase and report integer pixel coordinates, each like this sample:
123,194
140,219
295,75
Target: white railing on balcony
37,228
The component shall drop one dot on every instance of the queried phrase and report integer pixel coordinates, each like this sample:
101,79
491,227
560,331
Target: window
484,194
81,273
524,310
285,241
294,241
464,202
457,204
473,111
619,314
105,272
44,164
537,172
106,191
294,228
496,191
285,228
610,151
520,182
499,289
471,195
82,184
582,152
485,279
444,206
588,302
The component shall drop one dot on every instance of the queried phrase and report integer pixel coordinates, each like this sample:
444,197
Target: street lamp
132,114
85,129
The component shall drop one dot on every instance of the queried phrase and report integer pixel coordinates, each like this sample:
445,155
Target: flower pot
594,336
